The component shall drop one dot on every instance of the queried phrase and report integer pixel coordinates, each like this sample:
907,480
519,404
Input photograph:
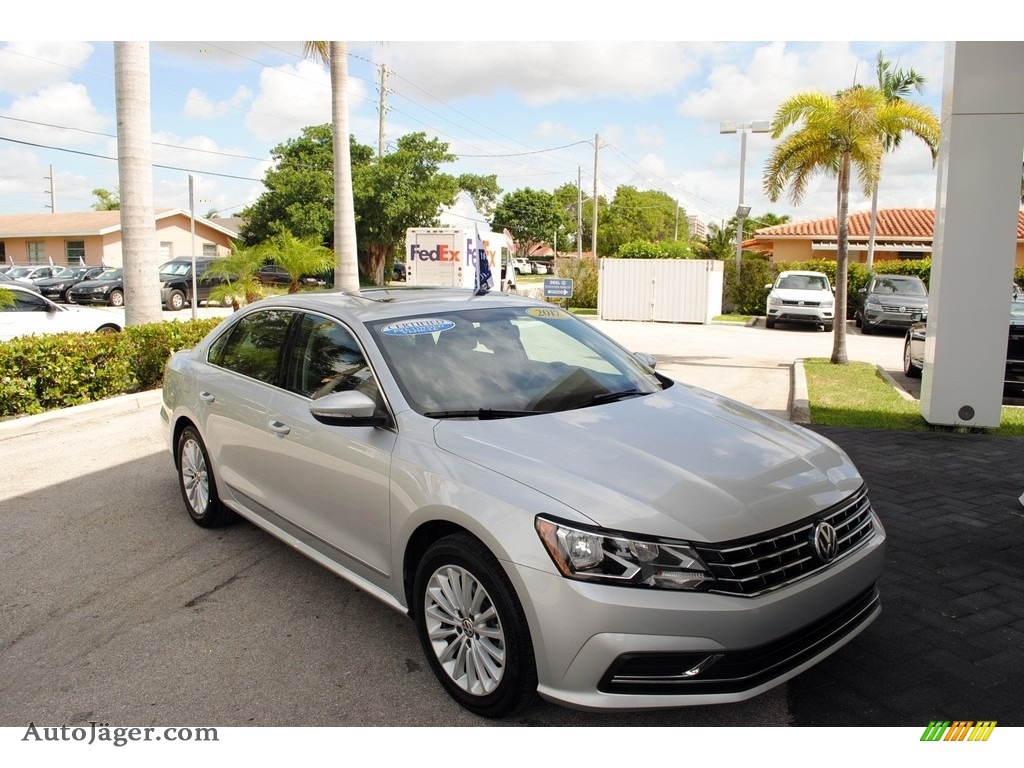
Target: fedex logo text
959,730
441,253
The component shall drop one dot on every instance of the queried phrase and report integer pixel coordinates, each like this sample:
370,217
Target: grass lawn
856,395
732,319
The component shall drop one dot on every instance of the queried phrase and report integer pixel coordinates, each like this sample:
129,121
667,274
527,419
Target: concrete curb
895,384
23,425
799,405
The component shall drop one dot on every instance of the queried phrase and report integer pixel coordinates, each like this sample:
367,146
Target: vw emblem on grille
903,310
826,542
800,303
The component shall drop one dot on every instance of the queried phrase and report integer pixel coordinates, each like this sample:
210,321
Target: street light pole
742,211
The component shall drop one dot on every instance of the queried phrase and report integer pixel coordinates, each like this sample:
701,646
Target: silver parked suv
801,297
890,301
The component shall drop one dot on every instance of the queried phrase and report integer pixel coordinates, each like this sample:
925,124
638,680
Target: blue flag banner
483,266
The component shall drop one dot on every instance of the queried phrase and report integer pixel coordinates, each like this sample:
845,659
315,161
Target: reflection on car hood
682,463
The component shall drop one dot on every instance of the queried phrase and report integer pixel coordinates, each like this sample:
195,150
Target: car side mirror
347,409
862,290
768,286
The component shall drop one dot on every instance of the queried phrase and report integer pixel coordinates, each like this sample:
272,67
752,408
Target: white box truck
446,256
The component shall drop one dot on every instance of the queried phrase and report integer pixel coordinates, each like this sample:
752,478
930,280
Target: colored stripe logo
958,730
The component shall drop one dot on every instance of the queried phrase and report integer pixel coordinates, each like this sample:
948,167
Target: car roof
801,272
373,304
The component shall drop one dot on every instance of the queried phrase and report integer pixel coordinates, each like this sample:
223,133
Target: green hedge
40,373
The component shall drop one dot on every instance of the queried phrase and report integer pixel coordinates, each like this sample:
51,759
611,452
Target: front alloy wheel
472,627
909,369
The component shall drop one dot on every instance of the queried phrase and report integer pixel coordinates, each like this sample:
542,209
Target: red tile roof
901,223
78,223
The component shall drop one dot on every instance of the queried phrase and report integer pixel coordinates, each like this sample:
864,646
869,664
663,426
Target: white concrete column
976,210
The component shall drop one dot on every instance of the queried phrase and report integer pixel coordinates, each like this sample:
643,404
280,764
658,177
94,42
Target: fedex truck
447,256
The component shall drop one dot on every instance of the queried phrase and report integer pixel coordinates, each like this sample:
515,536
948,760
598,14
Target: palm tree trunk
871,230
141,258
842,262
346,263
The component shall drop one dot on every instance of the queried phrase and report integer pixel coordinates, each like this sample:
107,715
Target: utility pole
593,237
383,108
579,211
53,195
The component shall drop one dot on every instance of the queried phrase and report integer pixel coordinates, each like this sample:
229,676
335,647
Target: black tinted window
326,358
253,347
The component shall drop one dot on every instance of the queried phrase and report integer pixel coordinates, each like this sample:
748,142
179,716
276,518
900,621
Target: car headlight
874,306
774,300
593,554
828,303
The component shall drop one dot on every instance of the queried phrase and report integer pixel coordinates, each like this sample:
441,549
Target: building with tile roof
900,233
94,237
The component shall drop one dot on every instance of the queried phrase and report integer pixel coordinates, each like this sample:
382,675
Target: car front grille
751,567
801,303
721,672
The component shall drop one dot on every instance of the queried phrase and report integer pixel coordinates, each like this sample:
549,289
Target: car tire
66,298
116,298
472,627
175,301
828,327
857,320
769,322
195,479
865,329
910,370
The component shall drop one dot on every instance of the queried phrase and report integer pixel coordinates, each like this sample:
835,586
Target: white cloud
64,104
199,106
26,67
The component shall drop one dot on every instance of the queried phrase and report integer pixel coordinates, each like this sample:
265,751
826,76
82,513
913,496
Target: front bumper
792,314
626,648
900,318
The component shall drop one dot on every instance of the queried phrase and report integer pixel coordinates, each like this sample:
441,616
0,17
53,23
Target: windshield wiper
611,397
480,413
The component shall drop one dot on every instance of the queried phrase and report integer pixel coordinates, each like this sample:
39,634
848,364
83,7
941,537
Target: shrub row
40,373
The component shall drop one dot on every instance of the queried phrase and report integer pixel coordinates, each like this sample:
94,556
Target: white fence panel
660,290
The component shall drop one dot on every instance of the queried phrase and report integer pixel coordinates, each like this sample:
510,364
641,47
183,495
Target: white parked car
30,313
553,515
801,297
523,267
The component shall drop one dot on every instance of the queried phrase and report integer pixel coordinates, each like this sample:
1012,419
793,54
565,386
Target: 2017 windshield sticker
548,314
417,327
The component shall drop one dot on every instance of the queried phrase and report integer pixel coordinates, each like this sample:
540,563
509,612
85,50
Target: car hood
682,463
94,283
894,299
800,294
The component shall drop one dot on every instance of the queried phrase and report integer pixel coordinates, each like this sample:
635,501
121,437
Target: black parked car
274,274
1013,380
106,288
5,280
56,288
176,281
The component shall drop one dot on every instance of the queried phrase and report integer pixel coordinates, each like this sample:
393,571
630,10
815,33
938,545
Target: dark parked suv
889,302
176,281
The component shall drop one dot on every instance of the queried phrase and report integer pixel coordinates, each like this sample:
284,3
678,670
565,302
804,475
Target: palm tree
836,135
6,297
239,269
896,85
135,172
346,266
298,257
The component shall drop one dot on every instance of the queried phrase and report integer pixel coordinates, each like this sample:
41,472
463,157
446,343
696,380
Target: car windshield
512,361
69,272
109,274
893,286
804,282
176,268
20,272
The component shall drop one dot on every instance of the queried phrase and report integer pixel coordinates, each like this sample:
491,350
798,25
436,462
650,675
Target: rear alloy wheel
116,298
198,488
472,627
909,369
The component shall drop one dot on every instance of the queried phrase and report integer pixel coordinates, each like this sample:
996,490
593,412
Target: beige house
901,233
94,237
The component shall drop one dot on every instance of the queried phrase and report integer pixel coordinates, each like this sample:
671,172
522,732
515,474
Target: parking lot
116,608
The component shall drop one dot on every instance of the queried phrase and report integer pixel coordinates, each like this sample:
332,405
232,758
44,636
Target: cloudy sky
528,112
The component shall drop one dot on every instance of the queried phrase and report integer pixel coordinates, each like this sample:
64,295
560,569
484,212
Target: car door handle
279,428
207,397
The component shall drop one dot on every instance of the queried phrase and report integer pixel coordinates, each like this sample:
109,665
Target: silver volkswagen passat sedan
554,515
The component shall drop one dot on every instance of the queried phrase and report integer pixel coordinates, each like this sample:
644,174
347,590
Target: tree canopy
404,188
533,217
